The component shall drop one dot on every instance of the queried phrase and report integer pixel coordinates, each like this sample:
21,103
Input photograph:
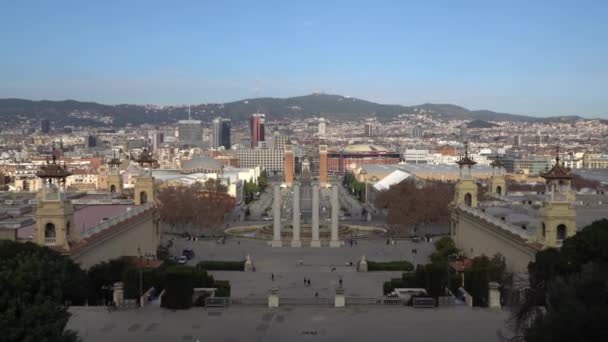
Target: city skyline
542,61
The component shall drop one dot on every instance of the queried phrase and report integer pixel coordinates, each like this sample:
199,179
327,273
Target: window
468,199
561,232
49,230
544,229
143,197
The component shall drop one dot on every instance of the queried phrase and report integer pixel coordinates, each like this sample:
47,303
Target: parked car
188,253
181,260
267,218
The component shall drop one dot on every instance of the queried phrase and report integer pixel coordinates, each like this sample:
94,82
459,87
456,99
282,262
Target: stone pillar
118,294
248,264
295,240
315,242
494,295
273,298
276,210
362,266
339,301
335,210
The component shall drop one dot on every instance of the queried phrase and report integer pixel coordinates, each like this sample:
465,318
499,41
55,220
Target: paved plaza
316,265
302,323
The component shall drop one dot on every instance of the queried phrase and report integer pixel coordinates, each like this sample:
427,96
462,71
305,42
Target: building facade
257,129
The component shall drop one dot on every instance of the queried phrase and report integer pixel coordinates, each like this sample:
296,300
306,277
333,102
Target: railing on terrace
495,221
307,301
50,241
375,301
117,219
249,301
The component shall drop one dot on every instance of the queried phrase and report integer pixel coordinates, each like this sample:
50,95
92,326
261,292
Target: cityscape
199,211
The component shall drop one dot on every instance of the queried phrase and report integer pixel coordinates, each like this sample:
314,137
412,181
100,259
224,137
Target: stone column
295,241
315,242
276,210
335,210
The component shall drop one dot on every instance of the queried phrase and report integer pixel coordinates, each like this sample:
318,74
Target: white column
315,242
295,241
335,209
276,240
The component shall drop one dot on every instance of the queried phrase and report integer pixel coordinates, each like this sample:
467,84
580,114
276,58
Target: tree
410,204
35,284
567,297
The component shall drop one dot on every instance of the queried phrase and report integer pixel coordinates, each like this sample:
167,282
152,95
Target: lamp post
140,276
450,257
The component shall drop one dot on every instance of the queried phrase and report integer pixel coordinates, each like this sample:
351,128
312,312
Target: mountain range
333,107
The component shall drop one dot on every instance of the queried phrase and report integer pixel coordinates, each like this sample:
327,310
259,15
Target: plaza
302,323
316,264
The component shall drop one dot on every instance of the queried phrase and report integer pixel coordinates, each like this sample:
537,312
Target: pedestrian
305,281
340,281
316,294
308,282
272,276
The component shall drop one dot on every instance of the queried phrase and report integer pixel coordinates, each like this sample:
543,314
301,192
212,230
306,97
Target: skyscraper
322,128
190,132
257,129
369,129
221,133
417,131
45,126
225,139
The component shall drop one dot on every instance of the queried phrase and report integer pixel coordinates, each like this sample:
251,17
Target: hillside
335,107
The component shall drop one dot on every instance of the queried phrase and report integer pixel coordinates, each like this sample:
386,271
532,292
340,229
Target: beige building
519,225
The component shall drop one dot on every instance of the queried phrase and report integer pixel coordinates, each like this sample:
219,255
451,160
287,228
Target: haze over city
294,171
541,58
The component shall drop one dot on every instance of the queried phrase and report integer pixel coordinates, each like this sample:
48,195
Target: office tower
257,129
417,131
155,138
369,129
517,140
225,139
279,141
322,128
190,132
91,141
45,126
221,133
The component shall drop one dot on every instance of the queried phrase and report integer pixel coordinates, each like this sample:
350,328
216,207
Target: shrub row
403,265
221,265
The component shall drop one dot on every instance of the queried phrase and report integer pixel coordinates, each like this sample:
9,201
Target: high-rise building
190,132
225,139
45,126
155,139
322,128
417,131
369,129
257,129
91,141
279,141
221,133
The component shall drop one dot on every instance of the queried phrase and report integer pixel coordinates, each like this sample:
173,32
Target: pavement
302,323
316,265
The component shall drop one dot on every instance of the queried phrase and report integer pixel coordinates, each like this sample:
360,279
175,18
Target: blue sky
526,57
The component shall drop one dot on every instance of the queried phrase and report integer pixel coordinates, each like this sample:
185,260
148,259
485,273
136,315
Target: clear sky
526,57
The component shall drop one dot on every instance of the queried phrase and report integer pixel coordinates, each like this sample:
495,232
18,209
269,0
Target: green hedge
405,266
221,265
179,287
223,288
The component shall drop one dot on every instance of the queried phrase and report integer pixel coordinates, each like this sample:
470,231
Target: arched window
561,232
468,199
112,188
499,190
49,230
25,185
143,197
544,228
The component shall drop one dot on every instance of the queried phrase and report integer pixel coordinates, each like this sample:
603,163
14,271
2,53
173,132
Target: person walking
272,276
305,281
308,282
316,294
340,281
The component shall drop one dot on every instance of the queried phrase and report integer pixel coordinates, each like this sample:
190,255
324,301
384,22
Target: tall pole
315,242
335,209
140,277
276,240
295,241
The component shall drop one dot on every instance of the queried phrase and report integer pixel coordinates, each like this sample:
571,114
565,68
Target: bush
390,266
221,265
391,285
179,287
223,288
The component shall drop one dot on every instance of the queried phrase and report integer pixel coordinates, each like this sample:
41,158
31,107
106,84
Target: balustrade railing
117,219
